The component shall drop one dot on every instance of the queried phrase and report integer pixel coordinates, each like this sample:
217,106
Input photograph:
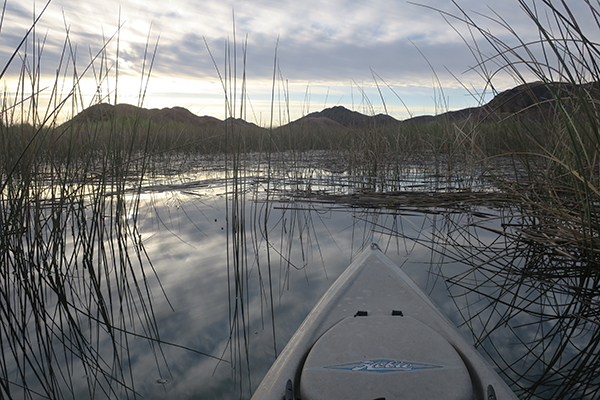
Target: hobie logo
383,366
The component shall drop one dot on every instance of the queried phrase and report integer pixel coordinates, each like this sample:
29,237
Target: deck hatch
382,356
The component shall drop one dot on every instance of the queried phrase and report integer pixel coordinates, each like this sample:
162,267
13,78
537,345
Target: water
186,235
290,251
236,265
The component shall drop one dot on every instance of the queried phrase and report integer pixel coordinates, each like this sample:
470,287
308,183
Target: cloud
330,44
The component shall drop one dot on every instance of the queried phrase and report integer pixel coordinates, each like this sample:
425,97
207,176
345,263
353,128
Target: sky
275,60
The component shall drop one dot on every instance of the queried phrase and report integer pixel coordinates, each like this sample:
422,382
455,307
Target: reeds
538,294
75,279
555,136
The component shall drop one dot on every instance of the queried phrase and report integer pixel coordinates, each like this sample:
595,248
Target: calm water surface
242,269
236,265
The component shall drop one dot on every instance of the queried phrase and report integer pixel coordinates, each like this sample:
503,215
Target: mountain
530,100
536,95
239,123
106,112
348,118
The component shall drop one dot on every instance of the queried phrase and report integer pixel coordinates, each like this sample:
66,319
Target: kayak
375,335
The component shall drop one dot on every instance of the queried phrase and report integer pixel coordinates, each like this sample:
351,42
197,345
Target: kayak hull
376,334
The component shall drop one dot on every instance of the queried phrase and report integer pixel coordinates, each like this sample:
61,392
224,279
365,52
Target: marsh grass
557,140
75,277
535,281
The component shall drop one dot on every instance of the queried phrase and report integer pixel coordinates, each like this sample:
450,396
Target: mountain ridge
529,98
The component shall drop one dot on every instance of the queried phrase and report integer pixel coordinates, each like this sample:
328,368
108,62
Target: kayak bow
376,335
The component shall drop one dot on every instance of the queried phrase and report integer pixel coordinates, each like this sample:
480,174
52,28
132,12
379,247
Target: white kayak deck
376,335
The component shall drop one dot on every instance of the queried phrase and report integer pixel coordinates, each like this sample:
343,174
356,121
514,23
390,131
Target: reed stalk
543,269
75,279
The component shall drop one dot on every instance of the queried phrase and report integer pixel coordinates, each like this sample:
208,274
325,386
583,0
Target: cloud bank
352,52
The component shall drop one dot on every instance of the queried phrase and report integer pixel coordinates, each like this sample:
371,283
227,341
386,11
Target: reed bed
75,278
557,139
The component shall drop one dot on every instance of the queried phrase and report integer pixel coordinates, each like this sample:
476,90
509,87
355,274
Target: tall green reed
543,269
75,281
238,168
555,135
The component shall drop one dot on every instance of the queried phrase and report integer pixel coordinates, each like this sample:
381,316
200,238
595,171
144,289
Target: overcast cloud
328,52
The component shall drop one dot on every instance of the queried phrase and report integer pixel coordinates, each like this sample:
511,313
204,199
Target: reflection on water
242,275
242,262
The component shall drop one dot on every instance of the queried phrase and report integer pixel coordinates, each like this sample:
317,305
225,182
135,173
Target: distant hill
107,112
528,100
349,118
315,122
536,96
